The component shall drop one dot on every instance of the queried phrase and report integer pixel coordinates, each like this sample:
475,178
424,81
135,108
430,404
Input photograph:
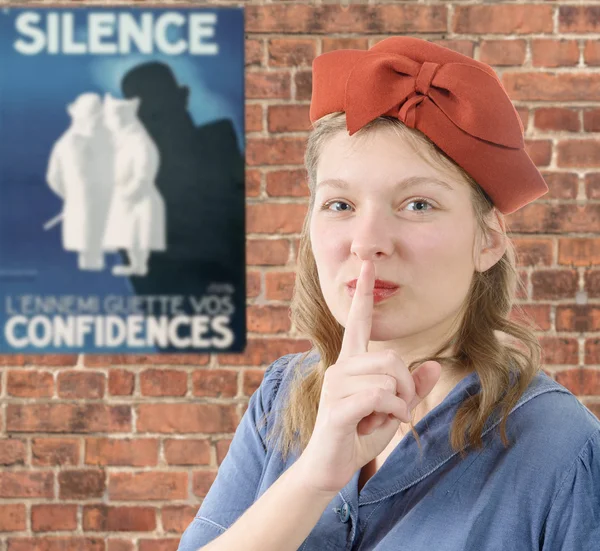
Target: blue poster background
34,93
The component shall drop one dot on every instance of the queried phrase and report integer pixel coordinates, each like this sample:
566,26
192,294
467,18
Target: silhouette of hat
457,102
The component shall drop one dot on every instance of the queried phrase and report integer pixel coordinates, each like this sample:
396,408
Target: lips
379,284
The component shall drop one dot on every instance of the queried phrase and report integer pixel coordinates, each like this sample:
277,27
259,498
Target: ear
495,243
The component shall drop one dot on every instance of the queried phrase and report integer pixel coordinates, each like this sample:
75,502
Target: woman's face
376,199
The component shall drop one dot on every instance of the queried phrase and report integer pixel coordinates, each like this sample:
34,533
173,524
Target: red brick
287,183
119,545
54,451
581,381
202,482
579,19
554,53
591,120
554,284
103,360
540,151
12,517
288,118
330,44
578,317
29,384
464,47
579,252
303,85
81,484
39,360
53,518
267,252
187,452
592,185
557,118
533,252
252,284
142,486
268,85
163,382
275,151
253,53
592,283
278,218
216,383
186,418
176,518
557,350
78,384
102,518
536,314
48,543
291,52
67,418
591,52
561,185
561,218
163,544
279,285
553,87
264,351
254,118
142,452
592,351
268,319
120,382
503,19
503,52
12,452
26,484
579,153
329,19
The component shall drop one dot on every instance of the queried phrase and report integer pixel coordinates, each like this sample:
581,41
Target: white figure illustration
80,172
137,218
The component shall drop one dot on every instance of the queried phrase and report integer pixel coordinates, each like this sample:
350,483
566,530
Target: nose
371,236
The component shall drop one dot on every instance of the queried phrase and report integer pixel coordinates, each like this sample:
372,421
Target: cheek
329,244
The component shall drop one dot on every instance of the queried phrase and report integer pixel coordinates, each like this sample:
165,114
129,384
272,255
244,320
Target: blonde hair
504,370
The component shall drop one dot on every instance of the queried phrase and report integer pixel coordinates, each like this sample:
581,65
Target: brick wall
114,453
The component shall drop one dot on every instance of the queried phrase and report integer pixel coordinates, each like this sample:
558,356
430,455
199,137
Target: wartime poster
122,180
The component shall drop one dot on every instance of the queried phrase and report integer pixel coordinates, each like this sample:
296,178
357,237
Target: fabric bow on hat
457,102
396,85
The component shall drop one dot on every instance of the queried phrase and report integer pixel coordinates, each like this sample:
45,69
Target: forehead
379,159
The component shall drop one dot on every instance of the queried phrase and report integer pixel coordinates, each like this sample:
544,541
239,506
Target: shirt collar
434,433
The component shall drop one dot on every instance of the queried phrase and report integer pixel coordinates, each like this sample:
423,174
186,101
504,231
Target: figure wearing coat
79,172
136,218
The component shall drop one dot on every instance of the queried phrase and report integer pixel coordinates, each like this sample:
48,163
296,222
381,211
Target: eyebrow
406,183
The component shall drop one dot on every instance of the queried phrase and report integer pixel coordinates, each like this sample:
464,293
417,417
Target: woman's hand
365,396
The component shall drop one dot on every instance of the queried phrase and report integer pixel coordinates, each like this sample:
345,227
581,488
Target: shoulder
552,424
279,375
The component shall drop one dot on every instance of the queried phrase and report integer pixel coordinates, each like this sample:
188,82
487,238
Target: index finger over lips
358,324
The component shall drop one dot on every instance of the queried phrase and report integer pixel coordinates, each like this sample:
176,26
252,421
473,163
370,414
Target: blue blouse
542,493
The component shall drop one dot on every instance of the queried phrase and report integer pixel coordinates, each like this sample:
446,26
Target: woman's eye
421,202
420,208
329,203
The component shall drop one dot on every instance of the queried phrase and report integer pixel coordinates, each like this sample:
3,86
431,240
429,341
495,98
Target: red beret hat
457,102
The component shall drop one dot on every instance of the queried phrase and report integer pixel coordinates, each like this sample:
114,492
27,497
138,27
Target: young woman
421,418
